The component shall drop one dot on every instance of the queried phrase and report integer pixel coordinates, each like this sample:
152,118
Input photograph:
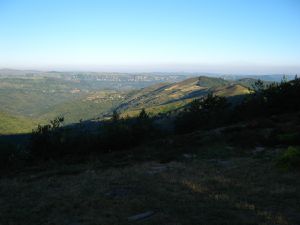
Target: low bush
119,134
47,140
51,141
204,113
289,159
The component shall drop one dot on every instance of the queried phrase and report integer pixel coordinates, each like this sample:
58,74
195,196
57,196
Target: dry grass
195,191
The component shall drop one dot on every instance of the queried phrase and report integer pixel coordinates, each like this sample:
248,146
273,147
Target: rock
157,169
189,156
141,216
258,149
225,163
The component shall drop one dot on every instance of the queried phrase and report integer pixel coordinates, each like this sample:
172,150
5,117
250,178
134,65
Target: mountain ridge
180,93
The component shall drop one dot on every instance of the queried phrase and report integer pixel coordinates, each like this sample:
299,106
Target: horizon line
151,72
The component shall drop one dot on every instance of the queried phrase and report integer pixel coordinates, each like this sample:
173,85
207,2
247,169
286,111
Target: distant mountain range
31,97
136,77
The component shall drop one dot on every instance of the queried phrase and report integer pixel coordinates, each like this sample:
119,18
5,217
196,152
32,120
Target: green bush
47,140
120,133
290,159
207,112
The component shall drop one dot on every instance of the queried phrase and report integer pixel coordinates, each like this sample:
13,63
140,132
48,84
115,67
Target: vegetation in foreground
212,163
209,112
233,189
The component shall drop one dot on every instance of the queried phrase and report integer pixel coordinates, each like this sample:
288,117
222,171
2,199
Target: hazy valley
28,98
41,96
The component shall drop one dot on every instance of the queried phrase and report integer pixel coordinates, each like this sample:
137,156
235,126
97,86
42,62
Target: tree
46,140
57,122
284,79
195,106
208,104
115,116
143,115
208,111
258,86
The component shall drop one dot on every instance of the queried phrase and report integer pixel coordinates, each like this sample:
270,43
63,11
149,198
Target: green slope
90,106
32,97
10,124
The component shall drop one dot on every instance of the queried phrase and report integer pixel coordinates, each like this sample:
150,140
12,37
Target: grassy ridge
167,97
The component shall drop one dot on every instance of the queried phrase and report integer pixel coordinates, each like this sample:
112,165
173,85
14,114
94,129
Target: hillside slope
11,124
92,105
165,97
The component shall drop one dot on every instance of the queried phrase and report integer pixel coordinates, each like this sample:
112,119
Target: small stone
258,149
189,156
141,216
157,169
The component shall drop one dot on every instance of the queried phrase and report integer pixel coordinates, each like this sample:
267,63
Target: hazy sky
254,36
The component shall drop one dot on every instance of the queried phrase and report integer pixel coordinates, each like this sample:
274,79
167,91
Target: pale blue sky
228,36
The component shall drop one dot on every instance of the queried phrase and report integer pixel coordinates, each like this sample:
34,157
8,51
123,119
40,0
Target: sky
217,36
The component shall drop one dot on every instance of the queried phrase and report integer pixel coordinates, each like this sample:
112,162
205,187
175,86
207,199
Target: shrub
272,99
115,135
203,113
119,134
290,159
46,140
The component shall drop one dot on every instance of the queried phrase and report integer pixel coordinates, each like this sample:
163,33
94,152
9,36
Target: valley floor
192,190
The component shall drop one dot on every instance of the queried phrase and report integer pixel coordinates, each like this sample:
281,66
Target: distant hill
23,100
268,78
164,97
